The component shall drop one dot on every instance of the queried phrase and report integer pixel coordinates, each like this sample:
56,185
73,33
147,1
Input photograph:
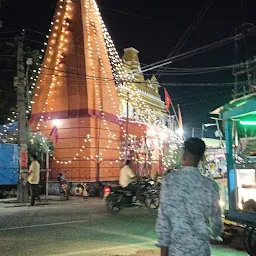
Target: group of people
189,214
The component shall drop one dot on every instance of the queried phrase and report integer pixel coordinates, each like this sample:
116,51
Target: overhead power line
9,32
189,31
206,68
198,50
203,84
198,71
35,31
78,78
123,12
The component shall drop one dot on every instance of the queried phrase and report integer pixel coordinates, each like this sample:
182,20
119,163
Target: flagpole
127,125
175,113
168,102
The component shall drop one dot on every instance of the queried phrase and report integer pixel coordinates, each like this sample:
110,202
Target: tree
2,3
37,143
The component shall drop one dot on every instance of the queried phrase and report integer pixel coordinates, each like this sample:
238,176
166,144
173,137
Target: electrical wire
126,13
189,73
7,38
201,84
35,41
196,95
207,68
78,80
83,76
200,49
9,32
188,32
181,57
35,31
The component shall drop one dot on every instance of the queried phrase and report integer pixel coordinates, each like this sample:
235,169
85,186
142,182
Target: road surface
79,227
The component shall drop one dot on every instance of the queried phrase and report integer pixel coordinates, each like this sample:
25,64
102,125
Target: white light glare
179,131
56,122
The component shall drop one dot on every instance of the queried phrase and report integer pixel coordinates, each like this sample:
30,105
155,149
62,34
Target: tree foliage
37,143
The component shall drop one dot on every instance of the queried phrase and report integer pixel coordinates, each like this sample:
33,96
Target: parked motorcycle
117,197
63,185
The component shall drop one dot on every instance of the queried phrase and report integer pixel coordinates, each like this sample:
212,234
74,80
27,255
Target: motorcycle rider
127,178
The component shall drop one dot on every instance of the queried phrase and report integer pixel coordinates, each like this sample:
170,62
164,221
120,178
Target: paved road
79,227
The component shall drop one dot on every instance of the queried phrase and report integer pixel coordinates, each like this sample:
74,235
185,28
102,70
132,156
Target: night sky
154,27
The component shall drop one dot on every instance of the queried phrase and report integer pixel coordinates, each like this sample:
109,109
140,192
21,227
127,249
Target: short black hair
196,147
34,156
127,162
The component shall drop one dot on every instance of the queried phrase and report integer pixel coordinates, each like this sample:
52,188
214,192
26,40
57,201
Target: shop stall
239,119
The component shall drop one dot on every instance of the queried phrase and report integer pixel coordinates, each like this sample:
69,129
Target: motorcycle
63,186
117,197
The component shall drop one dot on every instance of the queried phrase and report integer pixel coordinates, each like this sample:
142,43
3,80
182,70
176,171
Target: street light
180,132
209,125
56,122
248,122
206,125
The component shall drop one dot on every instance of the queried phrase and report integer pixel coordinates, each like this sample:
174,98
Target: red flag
180,117
168,100
54,134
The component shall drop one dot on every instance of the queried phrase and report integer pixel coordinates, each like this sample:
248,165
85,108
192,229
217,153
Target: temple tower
76,93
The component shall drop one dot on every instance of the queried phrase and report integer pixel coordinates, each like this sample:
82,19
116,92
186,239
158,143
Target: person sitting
127,178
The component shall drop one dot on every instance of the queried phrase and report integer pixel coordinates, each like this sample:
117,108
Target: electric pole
22,122
193,132
127,125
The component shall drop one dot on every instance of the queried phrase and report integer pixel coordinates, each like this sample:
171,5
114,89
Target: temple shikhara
98,108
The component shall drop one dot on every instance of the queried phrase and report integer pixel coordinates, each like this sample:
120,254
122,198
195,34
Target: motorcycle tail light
107,189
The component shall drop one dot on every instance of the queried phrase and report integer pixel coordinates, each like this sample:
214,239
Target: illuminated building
81,89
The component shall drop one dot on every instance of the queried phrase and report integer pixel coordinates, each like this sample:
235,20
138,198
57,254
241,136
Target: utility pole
193,132
22,122
202,131
98,152
127,125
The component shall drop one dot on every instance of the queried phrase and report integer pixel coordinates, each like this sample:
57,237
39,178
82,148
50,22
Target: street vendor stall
241,170
215,159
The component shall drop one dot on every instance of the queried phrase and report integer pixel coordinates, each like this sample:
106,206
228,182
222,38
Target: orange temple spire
76,93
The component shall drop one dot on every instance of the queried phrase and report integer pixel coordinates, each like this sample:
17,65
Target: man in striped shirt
189,214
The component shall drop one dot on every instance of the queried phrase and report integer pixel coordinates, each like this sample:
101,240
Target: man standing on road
189,214
33,179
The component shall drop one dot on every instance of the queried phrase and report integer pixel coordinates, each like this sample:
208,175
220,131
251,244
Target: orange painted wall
75,87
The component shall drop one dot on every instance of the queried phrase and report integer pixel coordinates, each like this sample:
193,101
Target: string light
125,78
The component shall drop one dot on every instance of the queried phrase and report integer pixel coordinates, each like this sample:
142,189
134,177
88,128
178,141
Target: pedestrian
33,179
189,213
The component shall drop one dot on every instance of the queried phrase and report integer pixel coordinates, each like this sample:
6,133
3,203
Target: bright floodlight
56,122
207,125
180,131
163,135
248,123
151,132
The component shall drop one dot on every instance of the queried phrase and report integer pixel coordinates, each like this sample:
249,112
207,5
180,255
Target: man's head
33,157
194,149
128,162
